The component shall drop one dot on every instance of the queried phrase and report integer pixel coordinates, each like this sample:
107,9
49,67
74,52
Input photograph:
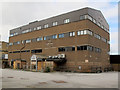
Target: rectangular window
45,38
11,34
15,33
94,21
28,41
39,27
18,42
71,34
25,31
103,39
46,26
10,44
82,17
66,20
78,33
88,17
61,35
35,28
55,23
36,51
97,36
54,36
85,32
99,24
63,49
39,39
81,33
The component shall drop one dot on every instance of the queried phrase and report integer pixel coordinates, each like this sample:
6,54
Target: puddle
60,81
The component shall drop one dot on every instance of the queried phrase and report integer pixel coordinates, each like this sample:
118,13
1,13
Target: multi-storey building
4,54
81,35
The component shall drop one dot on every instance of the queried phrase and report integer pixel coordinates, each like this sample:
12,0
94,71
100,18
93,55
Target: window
99,24
90,48
39,39
10,44
16,51
25,31
65,49
18,42
61,35
84,32
54,36
15,33
103,39
23,41
11,34
94,20
36,51
102,26
45,38
39,27
71,34
82,47
81,33
88,17
55,23
35,28
97,36
97,50
25,51
46,26
28,41
82,17
66,20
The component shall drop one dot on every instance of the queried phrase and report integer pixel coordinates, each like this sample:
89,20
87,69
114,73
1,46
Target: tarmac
26,79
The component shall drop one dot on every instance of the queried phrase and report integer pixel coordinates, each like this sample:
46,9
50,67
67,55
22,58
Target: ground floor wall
80,61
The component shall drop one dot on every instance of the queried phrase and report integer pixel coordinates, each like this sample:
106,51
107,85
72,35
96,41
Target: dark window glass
36,51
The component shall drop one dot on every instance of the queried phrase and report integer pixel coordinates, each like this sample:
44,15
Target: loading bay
26,79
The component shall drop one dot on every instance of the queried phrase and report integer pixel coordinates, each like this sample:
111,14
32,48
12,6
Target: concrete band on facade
76,60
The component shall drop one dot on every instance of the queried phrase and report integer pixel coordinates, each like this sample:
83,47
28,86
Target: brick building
4,54
81,36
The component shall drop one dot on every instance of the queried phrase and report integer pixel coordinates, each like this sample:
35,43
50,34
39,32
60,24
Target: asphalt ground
26,79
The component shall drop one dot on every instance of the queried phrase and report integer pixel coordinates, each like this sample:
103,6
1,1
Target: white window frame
39,39
46,26
67,20
55,23
28,41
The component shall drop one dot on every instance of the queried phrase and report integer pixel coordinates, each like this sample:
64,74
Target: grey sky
21,13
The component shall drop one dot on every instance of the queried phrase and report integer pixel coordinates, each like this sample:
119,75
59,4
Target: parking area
26,79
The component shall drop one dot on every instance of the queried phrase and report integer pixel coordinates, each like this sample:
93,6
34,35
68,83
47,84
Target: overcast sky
14,14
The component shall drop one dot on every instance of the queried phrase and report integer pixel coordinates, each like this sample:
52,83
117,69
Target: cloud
114,42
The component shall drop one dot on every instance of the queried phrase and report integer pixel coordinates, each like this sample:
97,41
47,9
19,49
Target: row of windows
85,47
68,34
32,51
64,49
82,17
88,47
40,27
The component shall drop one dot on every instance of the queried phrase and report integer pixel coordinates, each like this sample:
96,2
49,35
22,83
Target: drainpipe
36,64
